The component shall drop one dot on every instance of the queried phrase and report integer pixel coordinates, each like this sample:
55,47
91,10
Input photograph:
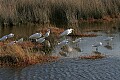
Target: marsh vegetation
15,12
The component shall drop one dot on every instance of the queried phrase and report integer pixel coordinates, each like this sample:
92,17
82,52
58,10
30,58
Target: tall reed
14,12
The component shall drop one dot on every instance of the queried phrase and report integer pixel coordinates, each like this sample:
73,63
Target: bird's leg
96,49
108,43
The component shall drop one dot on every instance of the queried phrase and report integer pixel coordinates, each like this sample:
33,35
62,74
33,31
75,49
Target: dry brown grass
56,12
15,55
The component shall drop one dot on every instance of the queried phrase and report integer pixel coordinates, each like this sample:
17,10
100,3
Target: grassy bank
15,12
19,56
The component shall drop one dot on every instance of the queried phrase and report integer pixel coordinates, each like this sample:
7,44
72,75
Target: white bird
66,32
64,42
35,36
48,33
77,40
20,40
3,38
40,40
108,39
10,35
97,45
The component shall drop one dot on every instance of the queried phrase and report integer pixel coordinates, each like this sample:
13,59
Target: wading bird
3,38
77,40
108,39
40,40
20,40
64,42
97,45
66,32
35,36
10,35
48,33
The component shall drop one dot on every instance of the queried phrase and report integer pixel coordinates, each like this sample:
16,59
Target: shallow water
71,67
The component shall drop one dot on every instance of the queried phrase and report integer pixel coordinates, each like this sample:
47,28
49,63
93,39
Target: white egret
35,36
10,35
76,44
40,40
64,42
48,33
20,40
77,40
108,39
66,32
97,45
3,38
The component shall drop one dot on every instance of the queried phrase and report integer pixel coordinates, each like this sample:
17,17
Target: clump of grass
15,55
15,12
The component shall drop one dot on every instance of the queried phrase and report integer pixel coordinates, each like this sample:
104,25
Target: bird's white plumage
40,40
77,40
66,32
35,36
64,42
97,44
108,39
47,34
20,40
3,38
10,35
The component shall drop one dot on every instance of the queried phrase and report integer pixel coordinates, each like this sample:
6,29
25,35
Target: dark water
73,68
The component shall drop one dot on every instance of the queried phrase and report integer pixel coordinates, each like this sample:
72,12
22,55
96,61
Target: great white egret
66,32
48,33
64,42
77,40
20,40
35,36
108,39
40,40
10,35
3,38
97,45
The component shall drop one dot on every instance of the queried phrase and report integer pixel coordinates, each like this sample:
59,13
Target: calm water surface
73,68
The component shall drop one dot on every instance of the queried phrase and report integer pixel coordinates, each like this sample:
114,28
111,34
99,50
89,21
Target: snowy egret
77,40
97,45
35,36
20,40
40,40
3,38
108,39
64,42
66,32
48,33
10,35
